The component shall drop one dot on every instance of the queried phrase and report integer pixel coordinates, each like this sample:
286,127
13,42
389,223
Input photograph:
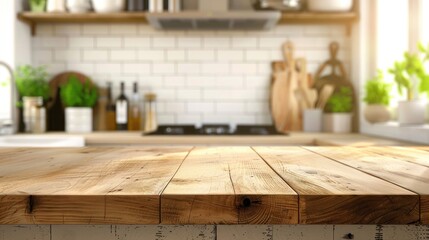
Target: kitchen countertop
294,138
215,185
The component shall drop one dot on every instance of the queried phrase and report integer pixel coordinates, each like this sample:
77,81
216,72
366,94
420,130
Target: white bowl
330,5
108,6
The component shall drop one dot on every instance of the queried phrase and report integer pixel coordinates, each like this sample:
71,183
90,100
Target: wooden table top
215,185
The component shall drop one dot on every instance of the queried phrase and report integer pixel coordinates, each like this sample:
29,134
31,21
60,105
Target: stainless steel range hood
225,20
215,15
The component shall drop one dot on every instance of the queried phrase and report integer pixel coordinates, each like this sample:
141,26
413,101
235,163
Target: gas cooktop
216,129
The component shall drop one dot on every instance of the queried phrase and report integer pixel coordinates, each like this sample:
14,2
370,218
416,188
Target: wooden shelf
128,17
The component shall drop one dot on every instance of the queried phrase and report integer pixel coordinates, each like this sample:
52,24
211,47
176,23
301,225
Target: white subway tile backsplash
163,68
258,55
111,68
216,42
123,55
68,30
201,107
121,29
136,68
43,55
85,68
95,55
244,68
174,81
54,42
189,42
215,68
151,55
67,55
244,42
137,42
163,42
188,68
81,42
95,29
204,76
108,42
230,55
176,55
189,94
189,119
230,107
201,55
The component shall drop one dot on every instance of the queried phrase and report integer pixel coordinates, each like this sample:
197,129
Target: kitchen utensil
78,6
329,5
108,6
56,6
284,106
338,80
324,95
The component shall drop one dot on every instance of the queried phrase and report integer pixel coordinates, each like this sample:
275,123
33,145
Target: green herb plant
37,5
341,102
32,81
377,91
77,94
410,73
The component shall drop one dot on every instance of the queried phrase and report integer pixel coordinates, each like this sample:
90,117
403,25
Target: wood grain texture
330,192
222,185
412,155
88,185
411,176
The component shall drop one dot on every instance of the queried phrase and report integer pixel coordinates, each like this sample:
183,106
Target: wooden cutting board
284,106
337,79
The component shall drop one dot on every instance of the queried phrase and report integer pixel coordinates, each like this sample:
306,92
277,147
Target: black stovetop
216,129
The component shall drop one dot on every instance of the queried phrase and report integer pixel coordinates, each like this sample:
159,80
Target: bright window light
392,36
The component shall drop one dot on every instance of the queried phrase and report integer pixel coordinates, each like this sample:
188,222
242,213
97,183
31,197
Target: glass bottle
135,110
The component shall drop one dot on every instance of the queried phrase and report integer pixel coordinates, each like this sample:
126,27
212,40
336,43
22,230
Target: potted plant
33,89
410,74
78,98
37,5
377,98
340,106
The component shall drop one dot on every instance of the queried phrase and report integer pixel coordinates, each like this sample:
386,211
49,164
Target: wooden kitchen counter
293,139
215,185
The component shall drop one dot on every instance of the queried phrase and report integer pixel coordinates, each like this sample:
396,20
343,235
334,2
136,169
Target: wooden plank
121,17
332,193
88,185
408,175
409,154
227,185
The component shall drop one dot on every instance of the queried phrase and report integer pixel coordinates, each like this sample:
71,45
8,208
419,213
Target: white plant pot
108,6
312,120
376,113
78,6
330,5
337,122
411,112
56,6
78,120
